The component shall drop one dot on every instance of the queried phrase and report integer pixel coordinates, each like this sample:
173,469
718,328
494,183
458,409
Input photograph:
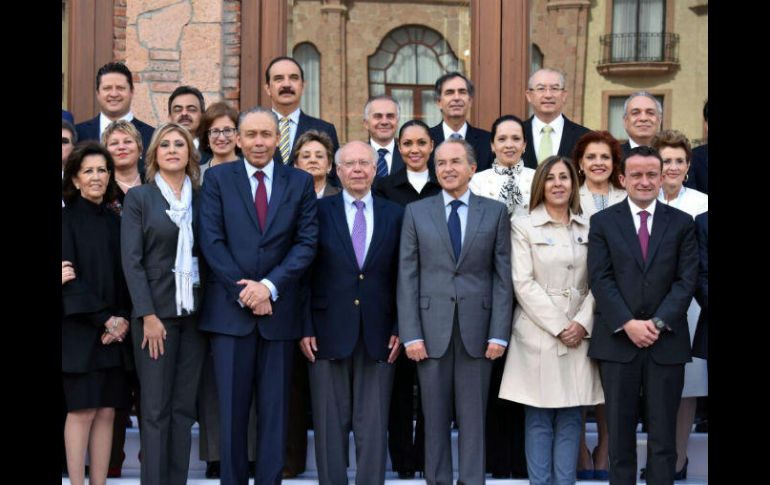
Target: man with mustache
284,83
454,97
642,119
548,132
186,107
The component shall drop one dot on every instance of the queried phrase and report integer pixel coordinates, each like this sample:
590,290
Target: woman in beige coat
547,367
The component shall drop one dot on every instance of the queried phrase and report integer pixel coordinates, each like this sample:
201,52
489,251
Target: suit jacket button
356,302
452,299
569,266
361,276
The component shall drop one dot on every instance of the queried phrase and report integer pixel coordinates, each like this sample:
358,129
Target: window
406,65
308,57
638,30
615,115
536,61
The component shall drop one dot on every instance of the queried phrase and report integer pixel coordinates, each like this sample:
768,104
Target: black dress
93,374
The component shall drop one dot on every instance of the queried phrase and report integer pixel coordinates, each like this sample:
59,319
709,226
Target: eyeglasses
361,163
65,140
545,89
228,132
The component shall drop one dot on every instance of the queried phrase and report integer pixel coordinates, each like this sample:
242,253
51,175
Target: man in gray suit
455,300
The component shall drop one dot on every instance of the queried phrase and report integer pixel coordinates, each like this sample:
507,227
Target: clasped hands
572,335
256,296
115,330
641,332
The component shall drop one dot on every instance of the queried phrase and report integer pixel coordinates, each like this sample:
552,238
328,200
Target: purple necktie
644,234
260,199
359,232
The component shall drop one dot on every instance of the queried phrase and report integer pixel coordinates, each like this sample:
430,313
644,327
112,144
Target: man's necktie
359,232
382,164
284,144
644,234
456,136
455,234
545,149
260,199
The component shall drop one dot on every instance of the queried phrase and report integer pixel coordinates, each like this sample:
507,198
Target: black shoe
405,475
643,474
682,474
252,469
212,469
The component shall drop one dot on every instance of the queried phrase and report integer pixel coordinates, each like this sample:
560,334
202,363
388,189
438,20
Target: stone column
332,45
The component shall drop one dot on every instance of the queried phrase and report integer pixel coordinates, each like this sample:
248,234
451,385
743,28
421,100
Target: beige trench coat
550,280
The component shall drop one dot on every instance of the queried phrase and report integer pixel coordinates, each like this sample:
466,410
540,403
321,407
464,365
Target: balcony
639,53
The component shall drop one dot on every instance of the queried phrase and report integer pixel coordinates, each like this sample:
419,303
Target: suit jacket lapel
438,215
397,163
379,231
475,215
243,187
341,225
628,230
659,225
566,137
276,194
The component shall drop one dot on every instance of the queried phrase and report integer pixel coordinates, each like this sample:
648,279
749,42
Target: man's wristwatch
660,324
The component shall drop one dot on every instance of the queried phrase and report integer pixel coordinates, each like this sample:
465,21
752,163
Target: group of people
245,268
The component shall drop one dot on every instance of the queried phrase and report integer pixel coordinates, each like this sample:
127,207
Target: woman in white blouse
508,181
676,153
597,155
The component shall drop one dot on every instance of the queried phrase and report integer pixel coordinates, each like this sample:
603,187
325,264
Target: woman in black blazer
158,253
95,306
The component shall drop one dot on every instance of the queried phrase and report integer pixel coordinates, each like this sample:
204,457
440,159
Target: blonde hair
126,127
151,162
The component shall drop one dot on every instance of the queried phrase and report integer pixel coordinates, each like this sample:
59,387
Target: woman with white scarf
161,270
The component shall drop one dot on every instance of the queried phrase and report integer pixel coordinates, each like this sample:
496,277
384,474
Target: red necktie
260,199
644,234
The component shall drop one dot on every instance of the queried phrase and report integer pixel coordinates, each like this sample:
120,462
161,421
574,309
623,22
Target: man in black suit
114,92
698,178
642,119
548,132
643,265
381,115
284,83
454,96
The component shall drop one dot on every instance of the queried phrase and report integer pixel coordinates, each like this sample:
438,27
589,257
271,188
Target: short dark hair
117,68
71,168
409,123
214,111
502,120
706,110
642,150
187,90
283,58
615,152
66,125
451,75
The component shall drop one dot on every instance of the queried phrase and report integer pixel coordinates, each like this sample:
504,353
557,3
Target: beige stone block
141,105
202,56
207,10
162,29
137,56
160,106
134,8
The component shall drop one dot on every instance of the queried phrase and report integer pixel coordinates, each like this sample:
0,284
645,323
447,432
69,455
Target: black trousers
505,430
406,441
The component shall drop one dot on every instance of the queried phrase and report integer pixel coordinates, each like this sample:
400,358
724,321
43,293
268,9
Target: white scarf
180,213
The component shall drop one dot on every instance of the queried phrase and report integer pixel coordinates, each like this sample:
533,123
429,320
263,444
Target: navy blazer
89,130
309,123
345,300
698,178
235,248
700,342
569,138
626,287
479,139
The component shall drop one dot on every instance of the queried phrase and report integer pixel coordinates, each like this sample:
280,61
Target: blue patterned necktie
456,136
382,164
455,234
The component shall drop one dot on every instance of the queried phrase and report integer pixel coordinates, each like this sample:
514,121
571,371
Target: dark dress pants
299,408
505,430
406,441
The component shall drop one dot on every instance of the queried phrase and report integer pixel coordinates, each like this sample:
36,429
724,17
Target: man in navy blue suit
351,333
114,92
284,83
258,234
643,264
454,96
381,115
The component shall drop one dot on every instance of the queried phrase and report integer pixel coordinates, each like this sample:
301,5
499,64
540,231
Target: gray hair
469,152
646,95
381,97
338,155
562,79
258,109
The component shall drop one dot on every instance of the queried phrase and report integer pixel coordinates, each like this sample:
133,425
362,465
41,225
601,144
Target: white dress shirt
448,131
635,210
104,122
537,132
388,156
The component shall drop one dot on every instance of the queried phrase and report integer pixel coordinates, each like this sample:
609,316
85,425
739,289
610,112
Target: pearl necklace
136,182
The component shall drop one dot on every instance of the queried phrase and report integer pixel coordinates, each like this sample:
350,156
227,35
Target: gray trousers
351,393
456,378
169,387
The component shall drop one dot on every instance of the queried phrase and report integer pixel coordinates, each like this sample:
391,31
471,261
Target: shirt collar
448,131
267,169
294,116
539,216
635,209
349,199
632,143
104,121
557,124
465,198
389,147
